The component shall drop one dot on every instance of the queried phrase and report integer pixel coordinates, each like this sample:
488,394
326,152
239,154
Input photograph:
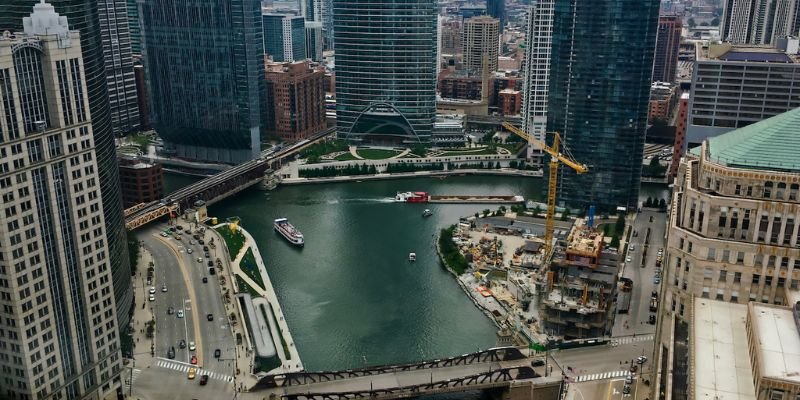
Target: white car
152,289
628,259
152,297
192,347
180,313
163,288
190,251
200,260
163,234
641,359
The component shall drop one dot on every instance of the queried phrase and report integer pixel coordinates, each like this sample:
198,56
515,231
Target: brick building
140,181
296,94
510,102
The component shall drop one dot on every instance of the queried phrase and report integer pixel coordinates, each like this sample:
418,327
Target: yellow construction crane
556,156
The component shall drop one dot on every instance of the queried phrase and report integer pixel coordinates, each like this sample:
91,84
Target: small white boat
412,256
427,213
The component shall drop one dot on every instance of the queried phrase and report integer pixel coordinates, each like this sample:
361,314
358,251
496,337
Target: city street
641,271
182,275
602,362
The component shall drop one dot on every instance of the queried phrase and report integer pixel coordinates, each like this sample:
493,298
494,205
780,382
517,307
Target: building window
708,273
737,190
787,232
737,277
781,282
781,189
767,280
762,228
723,276
734,296
793,188
767,190
726,256
689,249
720,294
723,219
756,279
749,191
712,254
776,230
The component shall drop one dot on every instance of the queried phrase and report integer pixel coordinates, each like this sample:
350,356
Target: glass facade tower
205,75
83,16
385,70
602,58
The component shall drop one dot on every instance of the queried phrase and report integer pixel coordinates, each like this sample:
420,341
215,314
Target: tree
565,215
662,204
649,202
620,225
715,21
615,242
692,23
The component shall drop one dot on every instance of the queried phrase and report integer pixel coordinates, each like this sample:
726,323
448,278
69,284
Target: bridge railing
305,378
498,377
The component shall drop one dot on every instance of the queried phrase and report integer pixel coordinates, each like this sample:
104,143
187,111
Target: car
210,317
656,280
170,311
203,379
641,359
192,346
152,297
177,237
164,234
182,344
196,236
628,259
201,241
210,263
180,228
189,251
217,353
164,288
192,373
537,363
180,313
634,367
635,233
626,389
193,361
633,247
207,255
652,319
629,379
152,290
200,260
205,279
172,229
192,242
205,248
211,271
171,353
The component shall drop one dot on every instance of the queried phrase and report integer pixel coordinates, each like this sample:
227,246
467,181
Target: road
641,270
182,275
600,390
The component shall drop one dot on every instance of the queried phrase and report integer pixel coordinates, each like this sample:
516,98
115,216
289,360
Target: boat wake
347,201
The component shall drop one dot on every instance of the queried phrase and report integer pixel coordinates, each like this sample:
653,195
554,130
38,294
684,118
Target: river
351,297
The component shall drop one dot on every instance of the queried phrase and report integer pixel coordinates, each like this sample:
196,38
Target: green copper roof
771,144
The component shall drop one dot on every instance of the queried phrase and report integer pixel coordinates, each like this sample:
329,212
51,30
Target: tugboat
412,257
289,232
412,197
427,213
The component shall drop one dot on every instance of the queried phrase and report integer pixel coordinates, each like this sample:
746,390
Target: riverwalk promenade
288,355
416,174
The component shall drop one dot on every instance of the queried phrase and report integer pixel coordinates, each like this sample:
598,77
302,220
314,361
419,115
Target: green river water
351,297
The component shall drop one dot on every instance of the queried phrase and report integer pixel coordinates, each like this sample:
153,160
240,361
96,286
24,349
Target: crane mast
556,158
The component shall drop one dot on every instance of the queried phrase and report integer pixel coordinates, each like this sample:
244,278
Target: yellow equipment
556,156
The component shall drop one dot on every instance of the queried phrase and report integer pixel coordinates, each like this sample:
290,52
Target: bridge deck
401,378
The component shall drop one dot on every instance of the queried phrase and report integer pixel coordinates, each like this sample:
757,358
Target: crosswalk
183,367
130,378
631,339
600,376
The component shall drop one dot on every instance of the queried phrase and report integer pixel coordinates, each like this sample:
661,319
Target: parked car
641,359
152,297
193,360
182,344
211,271
180,313
189,251
626,389
192,346
210,263
217,353
152,290
537,363
171,353
205,248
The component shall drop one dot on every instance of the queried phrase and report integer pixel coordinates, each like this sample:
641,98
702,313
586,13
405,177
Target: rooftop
584,241
771,144
778,342
745,53
720,362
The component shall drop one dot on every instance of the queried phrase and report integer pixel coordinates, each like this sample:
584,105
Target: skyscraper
83,16
284,37
758,21
205,76
133,27
497,9
535,87
118,60
59,321
385,69
481,42
313,11
668,41
599,94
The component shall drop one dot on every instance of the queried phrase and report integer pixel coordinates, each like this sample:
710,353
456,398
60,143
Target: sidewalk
142,346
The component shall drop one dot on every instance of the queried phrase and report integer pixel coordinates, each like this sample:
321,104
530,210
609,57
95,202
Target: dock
469,199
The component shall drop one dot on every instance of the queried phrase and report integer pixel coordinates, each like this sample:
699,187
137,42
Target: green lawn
234,241
345,157
244,287
512,147
377,154
250,268
140,141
